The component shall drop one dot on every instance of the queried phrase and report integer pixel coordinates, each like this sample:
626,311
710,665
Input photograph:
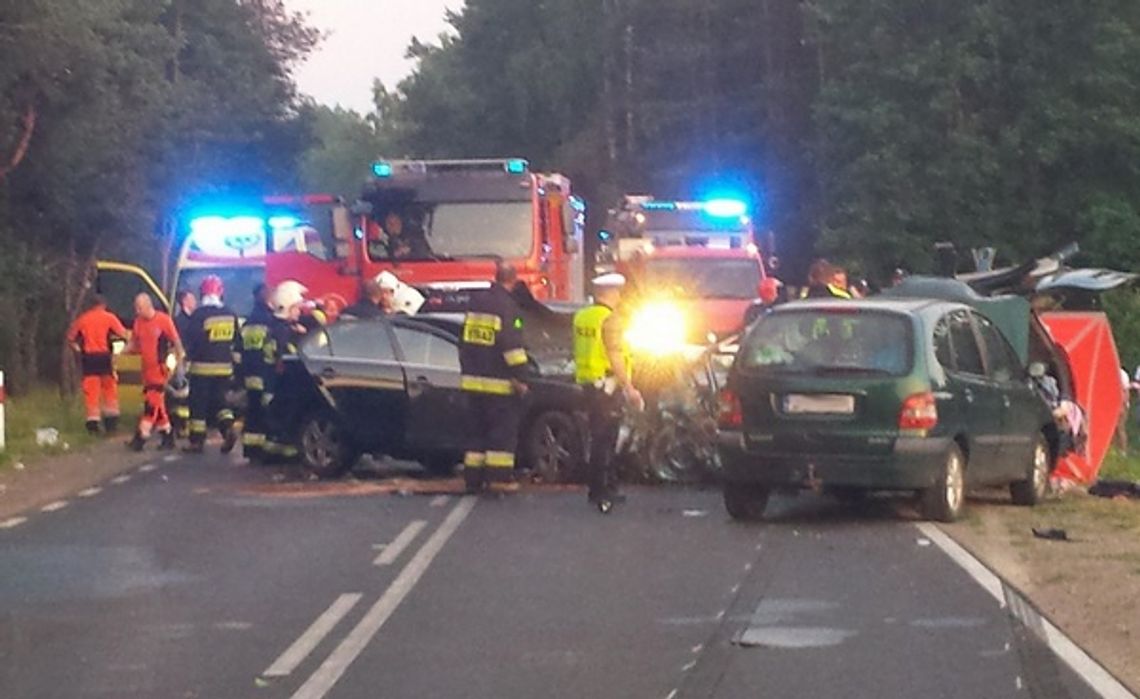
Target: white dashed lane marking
54,506
393,550
147,468
12,522
120,480
90,492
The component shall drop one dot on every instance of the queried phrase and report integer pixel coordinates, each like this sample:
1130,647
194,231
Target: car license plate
819,404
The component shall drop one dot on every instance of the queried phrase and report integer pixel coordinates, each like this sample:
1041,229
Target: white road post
2,396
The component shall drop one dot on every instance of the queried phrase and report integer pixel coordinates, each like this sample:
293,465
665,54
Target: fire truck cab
442,225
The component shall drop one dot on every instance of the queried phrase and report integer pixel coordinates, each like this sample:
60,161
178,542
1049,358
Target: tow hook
812,482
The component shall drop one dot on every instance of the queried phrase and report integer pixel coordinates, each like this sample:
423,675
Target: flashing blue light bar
725,208
604,235
382,169
222,226
283,222
517,166
659,206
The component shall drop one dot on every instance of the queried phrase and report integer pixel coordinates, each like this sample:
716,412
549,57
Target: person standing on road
185,303
602,368
255,373
153,338
210,340
493,364
91,336
289,326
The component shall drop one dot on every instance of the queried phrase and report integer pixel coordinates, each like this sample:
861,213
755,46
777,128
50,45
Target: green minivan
874,395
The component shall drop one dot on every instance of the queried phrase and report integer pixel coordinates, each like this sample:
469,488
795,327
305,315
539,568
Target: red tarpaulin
1095,368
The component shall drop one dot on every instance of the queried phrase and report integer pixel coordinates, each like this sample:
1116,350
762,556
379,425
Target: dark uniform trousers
604,414
208,406
494,435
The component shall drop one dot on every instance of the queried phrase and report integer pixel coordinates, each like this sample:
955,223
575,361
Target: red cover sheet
1095,367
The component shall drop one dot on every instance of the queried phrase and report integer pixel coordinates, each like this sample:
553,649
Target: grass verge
44,408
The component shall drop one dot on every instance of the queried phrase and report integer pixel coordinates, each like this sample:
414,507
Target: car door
981,400
1022,415
363,379
435,418
119,284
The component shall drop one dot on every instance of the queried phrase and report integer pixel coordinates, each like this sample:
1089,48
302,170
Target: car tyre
946,499
552,447
325,450
1031,491
746,503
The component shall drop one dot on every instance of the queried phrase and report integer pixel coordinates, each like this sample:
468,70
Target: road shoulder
1088,586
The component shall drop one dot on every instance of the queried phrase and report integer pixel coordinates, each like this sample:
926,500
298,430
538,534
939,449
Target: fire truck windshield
709,278
480,229
239,283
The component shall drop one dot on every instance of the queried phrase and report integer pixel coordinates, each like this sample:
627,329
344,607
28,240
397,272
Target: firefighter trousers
208,407
254,432
490,455
604,413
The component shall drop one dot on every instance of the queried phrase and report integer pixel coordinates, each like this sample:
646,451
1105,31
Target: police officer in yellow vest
602,369
493,364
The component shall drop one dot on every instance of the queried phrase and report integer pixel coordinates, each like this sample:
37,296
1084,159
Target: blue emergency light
725,208
517,166
659,206
278,223
382,169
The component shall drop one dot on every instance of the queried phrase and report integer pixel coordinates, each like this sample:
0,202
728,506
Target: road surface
199,577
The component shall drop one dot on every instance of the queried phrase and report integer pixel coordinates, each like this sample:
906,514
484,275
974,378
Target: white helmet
287,294
387,280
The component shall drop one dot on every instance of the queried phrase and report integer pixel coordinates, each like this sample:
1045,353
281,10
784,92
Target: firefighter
290,324
602,369
825,281
368,307
493,361
255,372
210,342
153,338
178,388
91,336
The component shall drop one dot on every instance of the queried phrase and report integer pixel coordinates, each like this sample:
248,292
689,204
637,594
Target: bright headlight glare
171,362
657,328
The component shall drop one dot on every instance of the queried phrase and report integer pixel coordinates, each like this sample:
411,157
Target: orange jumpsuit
153,339
92,332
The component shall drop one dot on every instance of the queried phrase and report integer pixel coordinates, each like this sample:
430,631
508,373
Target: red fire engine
442,225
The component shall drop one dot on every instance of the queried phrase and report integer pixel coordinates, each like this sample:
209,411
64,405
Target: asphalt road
200,578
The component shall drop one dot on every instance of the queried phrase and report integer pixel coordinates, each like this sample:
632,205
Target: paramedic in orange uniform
90,336
152,338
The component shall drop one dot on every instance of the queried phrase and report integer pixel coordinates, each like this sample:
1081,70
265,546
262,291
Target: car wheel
746,502
553,447
945,501
1031,491
324,446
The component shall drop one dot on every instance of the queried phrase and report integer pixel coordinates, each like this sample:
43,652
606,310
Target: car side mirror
1037,370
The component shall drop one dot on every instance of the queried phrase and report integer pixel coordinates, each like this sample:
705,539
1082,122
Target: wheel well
1053,437
964,445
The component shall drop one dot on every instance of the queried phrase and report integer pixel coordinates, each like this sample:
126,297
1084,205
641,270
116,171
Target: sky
366,40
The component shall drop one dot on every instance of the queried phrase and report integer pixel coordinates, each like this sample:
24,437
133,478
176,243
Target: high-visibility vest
591,361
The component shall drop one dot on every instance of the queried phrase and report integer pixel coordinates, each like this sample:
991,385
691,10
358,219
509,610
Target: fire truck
441,225
696,262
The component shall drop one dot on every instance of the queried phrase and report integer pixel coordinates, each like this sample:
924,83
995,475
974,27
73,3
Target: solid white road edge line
393,550
352,646
54,506
295,654
12,522
1099,679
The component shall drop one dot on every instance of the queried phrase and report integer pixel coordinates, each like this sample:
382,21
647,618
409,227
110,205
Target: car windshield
455,230
239,283
715,278
830,343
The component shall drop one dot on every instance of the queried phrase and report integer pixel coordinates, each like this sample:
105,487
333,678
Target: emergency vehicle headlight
517,166
382,169
282,222
658,328
725,208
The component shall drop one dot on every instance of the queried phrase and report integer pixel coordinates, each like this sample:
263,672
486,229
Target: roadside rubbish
19,465
1112,489
923,542
47,437
1051,534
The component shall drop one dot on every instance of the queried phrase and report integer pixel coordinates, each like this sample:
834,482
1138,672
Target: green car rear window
830,342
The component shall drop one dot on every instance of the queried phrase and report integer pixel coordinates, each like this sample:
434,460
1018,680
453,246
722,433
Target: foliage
1123,309
345,144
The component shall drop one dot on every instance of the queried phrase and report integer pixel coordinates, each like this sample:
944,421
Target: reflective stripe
489,320
483,384
254,383
183,412
212,369
198,426
838,292
225,415
252,439
515,357
474,459
500,459
279,449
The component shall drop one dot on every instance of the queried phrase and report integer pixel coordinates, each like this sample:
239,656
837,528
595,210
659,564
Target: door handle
969,395
328,373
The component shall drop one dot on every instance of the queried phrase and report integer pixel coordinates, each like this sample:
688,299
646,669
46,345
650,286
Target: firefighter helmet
387,280
212,286
287,295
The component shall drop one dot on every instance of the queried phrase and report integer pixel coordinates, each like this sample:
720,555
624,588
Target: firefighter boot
111,424
93,428
197,444
137,442
167,442
229,437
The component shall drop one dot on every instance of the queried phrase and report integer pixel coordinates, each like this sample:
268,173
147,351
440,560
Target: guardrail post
2,397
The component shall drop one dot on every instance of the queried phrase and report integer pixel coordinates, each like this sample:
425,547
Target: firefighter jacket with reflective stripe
491,349
211,339
255,369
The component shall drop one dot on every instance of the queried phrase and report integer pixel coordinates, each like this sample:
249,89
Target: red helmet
212,286
769,290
